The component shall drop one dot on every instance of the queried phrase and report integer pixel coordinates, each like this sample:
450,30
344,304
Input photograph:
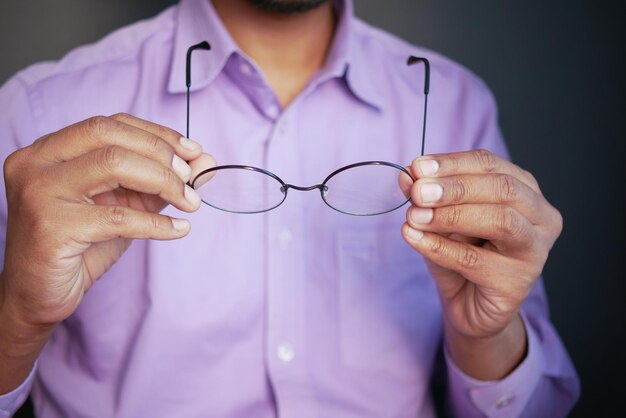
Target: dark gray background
557,70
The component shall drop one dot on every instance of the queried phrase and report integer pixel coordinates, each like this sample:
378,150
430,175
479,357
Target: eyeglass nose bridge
320,187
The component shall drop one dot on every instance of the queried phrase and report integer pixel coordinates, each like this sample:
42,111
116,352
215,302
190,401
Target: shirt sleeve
545,384
10,402
17,129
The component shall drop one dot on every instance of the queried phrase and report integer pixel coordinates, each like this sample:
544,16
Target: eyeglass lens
241,190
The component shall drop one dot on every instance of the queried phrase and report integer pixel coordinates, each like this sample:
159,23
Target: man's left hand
485,230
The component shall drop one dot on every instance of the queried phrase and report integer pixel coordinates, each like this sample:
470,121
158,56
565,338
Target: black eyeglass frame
286,186
204,45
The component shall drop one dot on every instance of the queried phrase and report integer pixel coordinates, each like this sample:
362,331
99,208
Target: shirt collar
198,21
348,60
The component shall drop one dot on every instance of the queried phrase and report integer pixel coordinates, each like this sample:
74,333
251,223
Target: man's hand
77,197
485,231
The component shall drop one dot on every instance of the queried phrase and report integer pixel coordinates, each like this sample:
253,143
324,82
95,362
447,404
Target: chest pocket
389,312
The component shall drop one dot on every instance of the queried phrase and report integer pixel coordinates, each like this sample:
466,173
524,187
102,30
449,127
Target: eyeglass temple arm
202,45
414,60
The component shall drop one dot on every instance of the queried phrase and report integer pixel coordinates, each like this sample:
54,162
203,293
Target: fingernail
180,224
192,196
188,144
181,168
431,192
421,215
428,167
414,234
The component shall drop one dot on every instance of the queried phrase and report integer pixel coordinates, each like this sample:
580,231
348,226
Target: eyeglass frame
204,45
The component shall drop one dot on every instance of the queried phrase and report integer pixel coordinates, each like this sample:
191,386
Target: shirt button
272,111
282,127
245,68
285,353
504,401
284,238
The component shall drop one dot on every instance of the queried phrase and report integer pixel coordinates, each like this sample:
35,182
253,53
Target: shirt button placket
283,127
286,304
272,111
284,239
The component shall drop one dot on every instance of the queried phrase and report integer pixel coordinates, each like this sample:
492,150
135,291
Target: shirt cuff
10,402
502,398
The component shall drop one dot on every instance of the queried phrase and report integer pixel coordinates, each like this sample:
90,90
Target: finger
405,182
470,162
472,262
110,168
203,162
506,228
184,147
100,132
481,188
102,223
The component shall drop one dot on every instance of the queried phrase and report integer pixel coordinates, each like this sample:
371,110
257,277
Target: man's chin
287,6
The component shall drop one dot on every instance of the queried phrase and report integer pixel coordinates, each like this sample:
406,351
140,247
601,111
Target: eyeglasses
362,189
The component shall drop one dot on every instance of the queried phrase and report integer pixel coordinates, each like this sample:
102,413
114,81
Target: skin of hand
76,199
485,231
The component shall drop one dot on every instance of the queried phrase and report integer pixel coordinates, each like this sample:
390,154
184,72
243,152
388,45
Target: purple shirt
298,312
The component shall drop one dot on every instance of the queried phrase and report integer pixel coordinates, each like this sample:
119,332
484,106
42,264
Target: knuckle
40,141
468,257
508,222
169,180
527,174
507,187
12,165
557,223
486,160
97,125
455,164
165,132
111,158
156,146
121,117
452,217
559,220
459,190
155,222
437,247
117,216
529,177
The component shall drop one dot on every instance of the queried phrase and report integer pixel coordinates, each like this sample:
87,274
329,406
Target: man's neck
289,48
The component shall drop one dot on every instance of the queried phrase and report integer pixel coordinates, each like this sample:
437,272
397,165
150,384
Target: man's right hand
76,198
